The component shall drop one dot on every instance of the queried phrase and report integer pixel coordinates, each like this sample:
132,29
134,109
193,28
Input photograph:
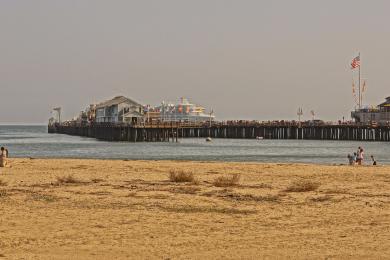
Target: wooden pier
172,131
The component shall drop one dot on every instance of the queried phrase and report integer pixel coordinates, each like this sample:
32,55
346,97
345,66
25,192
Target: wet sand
106,209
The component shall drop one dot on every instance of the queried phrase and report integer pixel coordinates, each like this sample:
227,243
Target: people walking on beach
3,157
373,160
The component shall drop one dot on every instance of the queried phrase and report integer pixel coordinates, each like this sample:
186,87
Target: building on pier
384,110
184,111
119,109
379,114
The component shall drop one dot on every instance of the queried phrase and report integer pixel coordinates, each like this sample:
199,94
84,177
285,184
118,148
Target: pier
173,131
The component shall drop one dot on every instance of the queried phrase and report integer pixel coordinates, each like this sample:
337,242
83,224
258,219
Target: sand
130,210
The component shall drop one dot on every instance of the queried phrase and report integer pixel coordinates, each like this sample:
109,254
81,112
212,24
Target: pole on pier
299,113
360,94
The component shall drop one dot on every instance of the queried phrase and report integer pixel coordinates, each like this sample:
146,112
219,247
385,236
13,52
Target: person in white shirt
3,157
360,154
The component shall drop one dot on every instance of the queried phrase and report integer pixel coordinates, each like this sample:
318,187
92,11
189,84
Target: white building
368,115
119,109
184,111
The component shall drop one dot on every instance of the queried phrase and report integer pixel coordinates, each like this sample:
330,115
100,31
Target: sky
245,59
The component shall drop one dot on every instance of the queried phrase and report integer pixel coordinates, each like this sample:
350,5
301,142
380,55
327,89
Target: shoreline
199,161
100,209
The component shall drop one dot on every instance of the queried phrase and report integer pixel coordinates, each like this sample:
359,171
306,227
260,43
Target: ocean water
34,141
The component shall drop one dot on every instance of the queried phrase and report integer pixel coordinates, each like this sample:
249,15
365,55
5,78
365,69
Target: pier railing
238,123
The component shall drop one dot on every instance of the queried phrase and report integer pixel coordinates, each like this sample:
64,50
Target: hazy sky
246,59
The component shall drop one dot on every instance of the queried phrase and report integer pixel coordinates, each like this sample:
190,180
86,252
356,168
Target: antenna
312,114
211,113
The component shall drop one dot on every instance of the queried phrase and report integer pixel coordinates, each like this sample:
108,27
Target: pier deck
172,131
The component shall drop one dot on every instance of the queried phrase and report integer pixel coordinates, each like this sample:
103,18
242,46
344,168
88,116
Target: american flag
355,62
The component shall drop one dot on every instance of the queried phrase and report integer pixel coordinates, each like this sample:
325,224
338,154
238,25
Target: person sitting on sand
373,160
3,157
350,159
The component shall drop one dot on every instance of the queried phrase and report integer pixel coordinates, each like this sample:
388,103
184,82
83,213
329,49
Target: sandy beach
106,209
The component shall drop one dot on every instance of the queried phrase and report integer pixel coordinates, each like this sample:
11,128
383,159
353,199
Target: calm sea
34,141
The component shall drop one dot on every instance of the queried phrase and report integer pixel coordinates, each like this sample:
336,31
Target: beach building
379,114
119,109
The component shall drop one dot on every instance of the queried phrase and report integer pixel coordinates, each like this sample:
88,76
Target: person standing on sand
359,158
3,157
373,160
354,158
351,161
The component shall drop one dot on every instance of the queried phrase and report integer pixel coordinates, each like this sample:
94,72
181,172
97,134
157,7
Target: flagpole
360,95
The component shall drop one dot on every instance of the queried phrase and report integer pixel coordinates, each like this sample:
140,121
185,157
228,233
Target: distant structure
122,119
56,118
367,115
121,109
117,110
184,111
379,114
88,115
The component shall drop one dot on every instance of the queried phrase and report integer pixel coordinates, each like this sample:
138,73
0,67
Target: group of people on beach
358,157
3,157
